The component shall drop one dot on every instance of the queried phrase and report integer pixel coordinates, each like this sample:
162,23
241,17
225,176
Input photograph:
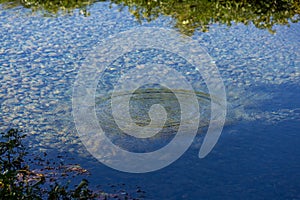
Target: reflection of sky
40,58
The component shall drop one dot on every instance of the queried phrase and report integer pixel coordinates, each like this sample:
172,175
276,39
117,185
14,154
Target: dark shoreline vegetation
188,15
19,181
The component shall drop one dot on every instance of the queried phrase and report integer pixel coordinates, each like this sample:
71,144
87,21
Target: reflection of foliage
18,181
51,6
189,15
14,174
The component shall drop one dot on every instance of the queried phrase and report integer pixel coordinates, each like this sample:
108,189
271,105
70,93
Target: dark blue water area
262,162
252,160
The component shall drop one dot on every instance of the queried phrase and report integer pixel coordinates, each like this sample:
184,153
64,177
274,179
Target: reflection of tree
51,7
188,15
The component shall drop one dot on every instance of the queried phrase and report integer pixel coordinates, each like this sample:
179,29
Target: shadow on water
188,16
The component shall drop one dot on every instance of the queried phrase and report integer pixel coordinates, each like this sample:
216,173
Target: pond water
257,155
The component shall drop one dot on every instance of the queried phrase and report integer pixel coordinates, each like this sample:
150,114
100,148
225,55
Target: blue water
258,154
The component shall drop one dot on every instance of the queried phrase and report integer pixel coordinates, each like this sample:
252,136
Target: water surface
257,156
